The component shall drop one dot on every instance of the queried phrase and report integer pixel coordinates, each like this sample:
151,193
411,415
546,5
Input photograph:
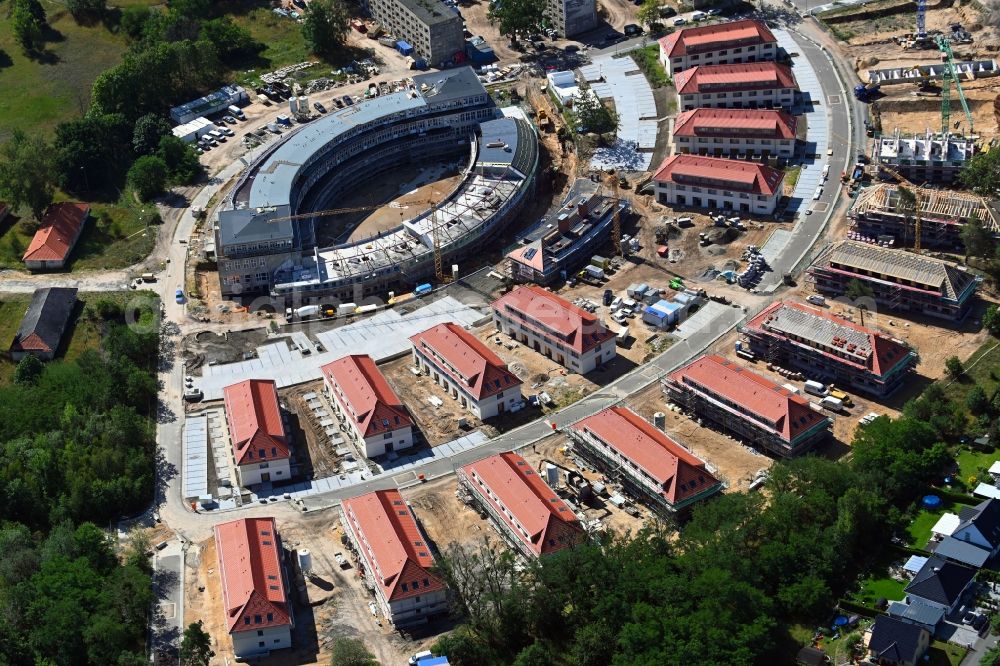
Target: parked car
347,100
608,296
714,11
680,20
179,296
667,11
229,119
632,30
319,107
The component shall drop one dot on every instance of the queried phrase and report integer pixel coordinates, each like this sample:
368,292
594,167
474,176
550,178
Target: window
404,587
246,620
257,619
270,617
260,633
260,643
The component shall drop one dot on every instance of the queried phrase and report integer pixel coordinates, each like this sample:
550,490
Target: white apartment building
551,325
718,184
731,132
760,85
394,557
376,418
466,369
717,44
260,442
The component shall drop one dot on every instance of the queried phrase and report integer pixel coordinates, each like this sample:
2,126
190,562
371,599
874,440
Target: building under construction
830,348
879,215
923,158
899,281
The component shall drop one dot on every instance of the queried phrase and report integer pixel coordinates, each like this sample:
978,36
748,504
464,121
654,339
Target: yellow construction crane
438,259
916,192
616,220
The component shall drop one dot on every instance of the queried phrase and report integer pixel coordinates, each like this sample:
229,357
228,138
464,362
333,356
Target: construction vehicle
865,92
544,122
950,77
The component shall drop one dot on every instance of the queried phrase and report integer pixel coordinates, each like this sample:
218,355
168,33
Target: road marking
833,99
169,610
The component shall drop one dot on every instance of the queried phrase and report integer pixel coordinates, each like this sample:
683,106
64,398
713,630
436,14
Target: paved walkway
382,336
621,79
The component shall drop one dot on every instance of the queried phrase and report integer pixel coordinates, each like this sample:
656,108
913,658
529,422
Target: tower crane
916,193
950,75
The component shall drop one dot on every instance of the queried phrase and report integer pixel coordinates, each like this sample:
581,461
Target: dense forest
78,443
727,589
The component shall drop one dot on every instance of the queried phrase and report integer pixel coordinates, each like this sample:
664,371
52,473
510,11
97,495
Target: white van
791,388
816,299
424,654
816,388
698,16
237,111
832,404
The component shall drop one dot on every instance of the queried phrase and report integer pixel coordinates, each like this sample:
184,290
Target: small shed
811,656
43,325
662,314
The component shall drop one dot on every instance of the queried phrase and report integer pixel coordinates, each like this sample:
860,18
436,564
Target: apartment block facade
393,557
718,184
735,132
761,85
260,441
554,327
830,348
717,44
748,405
432,28
466,369
376,418
526,512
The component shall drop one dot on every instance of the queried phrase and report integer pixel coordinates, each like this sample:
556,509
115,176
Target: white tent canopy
946,524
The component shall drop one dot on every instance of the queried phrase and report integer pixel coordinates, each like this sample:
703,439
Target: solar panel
530,252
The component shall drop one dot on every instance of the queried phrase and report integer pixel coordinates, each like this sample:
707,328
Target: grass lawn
970,462
80,335
874,589
982,368
945,654
920,529
38,94
114,237
648,59
281,36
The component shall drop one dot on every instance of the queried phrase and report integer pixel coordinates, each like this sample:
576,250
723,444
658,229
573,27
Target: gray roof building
44,323
960,551
917,613
896,642
940,582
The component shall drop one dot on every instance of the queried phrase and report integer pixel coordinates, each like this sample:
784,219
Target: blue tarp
433,661
404,47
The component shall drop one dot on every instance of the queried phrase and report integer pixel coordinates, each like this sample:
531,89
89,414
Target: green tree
196,646
649,12
191,8
235,44
91,153
981,174
977,239
183,165
133,21
28,370
953,366
515,18
976,401
325,27
148,177
991,657
991,320
148,131
857,290
28,28
85,9
351,652
594,116
26,172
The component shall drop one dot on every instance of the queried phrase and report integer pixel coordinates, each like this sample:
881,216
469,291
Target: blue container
404,47
422,289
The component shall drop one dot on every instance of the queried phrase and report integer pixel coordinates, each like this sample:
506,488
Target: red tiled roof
255,421
694,169
680,473
703,38
878,353
57,232
750,123
578,328
253,588
551,525
481,371
376,406
399,558
740,76
789,412
530,255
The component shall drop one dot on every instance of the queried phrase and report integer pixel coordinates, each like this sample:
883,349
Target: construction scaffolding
878,212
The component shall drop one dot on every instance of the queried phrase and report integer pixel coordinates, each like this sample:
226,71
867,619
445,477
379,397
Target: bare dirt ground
902,108
437,424
207,346
446,519
735,463
321,460
415,195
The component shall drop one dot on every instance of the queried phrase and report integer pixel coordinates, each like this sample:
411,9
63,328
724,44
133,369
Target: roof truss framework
938,205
